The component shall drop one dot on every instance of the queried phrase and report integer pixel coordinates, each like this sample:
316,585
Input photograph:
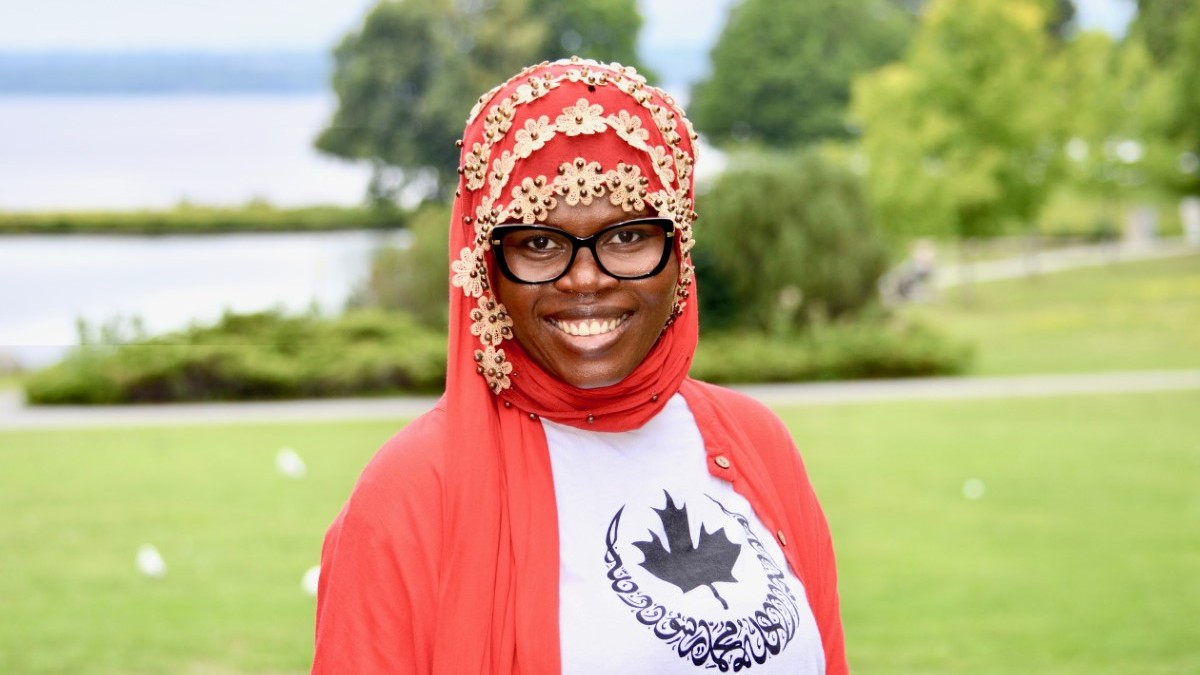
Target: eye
626,237
542,243
632,236
531,243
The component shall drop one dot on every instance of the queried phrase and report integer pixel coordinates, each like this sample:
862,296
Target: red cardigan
380,571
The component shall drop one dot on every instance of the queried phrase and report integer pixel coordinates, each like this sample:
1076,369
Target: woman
575,503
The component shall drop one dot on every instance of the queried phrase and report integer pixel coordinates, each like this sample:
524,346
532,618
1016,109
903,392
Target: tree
606,31
787,239
1157,23
1061,21
1185,105
781,71
407,78
959,138
1114,102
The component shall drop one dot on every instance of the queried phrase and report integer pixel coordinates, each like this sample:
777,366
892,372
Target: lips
589,327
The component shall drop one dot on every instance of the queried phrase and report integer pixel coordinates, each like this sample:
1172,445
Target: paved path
14,415
1061,260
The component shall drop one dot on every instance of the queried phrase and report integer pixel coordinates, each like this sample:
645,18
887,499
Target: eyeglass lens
627,250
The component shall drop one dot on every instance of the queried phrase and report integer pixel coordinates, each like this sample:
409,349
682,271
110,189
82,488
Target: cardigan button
782,538
722,461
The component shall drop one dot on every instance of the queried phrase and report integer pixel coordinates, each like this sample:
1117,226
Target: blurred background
218,202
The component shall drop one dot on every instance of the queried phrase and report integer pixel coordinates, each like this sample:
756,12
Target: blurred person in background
575,503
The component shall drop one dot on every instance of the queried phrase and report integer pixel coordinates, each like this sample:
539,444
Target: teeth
593,327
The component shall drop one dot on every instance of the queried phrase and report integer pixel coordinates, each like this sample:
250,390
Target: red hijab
573,130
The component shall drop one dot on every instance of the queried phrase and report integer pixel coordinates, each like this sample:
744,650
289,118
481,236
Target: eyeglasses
533,254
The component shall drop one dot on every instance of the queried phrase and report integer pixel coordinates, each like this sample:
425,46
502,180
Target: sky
216,25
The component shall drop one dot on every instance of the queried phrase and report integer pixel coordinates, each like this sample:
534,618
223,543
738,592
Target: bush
413,279
253,356
784,241
861,350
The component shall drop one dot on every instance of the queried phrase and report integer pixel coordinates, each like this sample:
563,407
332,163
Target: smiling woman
574,489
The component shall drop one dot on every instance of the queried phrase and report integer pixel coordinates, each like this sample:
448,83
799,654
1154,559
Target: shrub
253,356
782,241
413,279
859,350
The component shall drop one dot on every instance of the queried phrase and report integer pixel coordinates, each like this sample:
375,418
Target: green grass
1080,557
1133,316
237,538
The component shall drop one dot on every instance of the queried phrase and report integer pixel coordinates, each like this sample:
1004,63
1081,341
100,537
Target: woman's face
630,315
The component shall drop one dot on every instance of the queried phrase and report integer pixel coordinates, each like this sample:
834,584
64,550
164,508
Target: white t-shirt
664,567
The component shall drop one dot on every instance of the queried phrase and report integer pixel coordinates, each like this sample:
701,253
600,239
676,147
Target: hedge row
188,219
868,349
269,356
253,356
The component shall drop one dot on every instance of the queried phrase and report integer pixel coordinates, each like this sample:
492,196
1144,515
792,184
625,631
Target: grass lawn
1133,316
237,538
1080,556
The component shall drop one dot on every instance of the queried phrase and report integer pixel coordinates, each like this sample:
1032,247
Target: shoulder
749,413
408,468
751,425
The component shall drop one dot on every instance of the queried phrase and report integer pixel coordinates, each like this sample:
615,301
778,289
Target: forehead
585,219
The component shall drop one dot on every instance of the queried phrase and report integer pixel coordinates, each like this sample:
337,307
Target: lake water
127,152
132,152
48,282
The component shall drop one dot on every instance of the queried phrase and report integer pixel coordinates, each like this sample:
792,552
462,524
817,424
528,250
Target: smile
590,327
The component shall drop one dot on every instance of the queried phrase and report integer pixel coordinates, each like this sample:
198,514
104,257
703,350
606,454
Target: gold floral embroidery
502,166
662,164
630,128
579,181
535,88
478,107
499,120
492,325
469,273
683,164
495,368
581,118
486,217
475,165
533,200
627,187
663,119
533,136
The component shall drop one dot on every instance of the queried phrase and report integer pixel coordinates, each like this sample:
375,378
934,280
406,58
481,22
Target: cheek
516,299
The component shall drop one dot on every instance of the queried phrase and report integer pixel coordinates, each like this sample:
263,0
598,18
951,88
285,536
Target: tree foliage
406,79
960,137
781,71
1157,26
785,240
1115,104
1184,125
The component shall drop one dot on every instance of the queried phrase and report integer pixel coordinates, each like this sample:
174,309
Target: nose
585,276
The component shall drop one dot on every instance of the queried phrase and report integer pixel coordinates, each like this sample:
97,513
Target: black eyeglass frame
498,232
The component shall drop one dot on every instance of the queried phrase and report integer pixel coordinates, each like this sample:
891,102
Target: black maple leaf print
685,565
